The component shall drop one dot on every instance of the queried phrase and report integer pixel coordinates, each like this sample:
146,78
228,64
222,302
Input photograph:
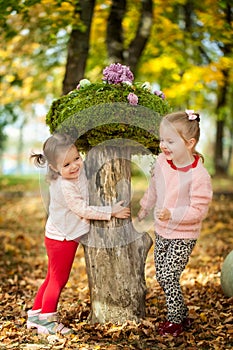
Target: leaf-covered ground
23,266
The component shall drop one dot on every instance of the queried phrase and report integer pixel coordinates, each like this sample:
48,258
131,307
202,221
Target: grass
222,183
19,183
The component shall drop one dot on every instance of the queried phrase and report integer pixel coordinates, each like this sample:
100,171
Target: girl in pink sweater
68,220
180,192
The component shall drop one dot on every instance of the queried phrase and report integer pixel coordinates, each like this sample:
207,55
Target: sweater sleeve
200,198
77,204
148,200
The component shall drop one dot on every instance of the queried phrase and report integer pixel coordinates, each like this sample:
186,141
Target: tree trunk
19,165
230,151
78,46
139,42
115,39
218,156
224,90
220,162
115,252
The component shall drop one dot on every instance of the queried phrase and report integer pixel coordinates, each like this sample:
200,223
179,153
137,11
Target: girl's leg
60,260
61,256
39,296
177,257
160,256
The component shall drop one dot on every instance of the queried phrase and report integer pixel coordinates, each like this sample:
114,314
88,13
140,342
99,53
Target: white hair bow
191,114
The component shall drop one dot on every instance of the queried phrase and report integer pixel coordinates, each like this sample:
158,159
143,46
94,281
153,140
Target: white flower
127,82
146,85
84,82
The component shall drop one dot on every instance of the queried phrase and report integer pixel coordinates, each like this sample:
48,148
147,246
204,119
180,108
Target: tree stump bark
115,252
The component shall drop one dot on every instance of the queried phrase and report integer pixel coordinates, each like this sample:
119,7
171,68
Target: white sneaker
49,324
33,318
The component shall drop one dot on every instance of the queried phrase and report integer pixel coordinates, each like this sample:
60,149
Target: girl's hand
120,212
163,214
142,214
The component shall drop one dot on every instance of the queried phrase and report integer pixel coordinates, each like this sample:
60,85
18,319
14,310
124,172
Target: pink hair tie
192,115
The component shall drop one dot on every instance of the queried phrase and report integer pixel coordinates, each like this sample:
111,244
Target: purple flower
132,98
117,73
160,94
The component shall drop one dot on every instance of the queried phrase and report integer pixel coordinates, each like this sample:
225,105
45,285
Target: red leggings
60,260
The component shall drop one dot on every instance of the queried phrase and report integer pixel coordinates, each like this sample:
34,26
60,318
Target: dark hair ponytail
52,147
38,159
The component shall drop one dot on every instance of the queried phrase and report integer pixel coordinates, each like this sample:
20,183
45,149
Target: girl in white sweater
69,215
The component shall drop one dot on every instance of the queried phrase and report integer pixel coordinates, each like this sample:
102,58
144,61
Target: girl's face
69,163
174,146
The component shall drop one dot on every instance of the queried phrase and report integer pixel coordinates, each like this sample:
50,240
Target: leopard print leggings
171,257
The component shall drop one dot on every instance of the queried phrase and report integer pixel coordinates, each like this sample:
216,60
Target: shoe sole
44,330
31,325
175,334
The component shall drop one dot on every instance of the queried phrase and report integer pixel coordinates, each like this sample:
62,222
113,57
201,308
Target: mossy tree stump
109,130
115,252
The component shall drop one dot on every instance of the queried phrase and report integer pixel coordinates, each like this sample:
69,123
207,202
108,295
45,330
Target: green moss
100,112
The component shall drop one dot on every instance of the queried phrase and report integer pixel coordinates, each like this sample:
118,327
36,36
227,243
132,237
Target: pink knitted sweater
186,192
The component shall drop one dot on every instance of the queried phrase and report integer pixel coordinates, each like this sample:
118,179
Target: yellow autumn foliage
157,65
168,59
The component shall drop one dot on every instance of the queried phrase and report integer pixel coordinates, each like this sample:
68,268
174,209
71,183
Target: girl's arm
120,212
78,205
148,200
142,214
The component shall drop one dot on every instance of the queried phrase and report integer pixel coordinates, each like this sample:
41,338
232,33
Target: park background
183,48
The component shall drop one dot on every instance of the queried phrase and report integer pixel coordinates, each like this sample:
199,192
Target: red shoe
186,323
163,325
167,328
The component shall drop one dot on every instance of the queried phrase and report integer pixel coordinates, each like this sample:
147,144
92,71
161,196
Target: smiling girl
68,220
180,192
